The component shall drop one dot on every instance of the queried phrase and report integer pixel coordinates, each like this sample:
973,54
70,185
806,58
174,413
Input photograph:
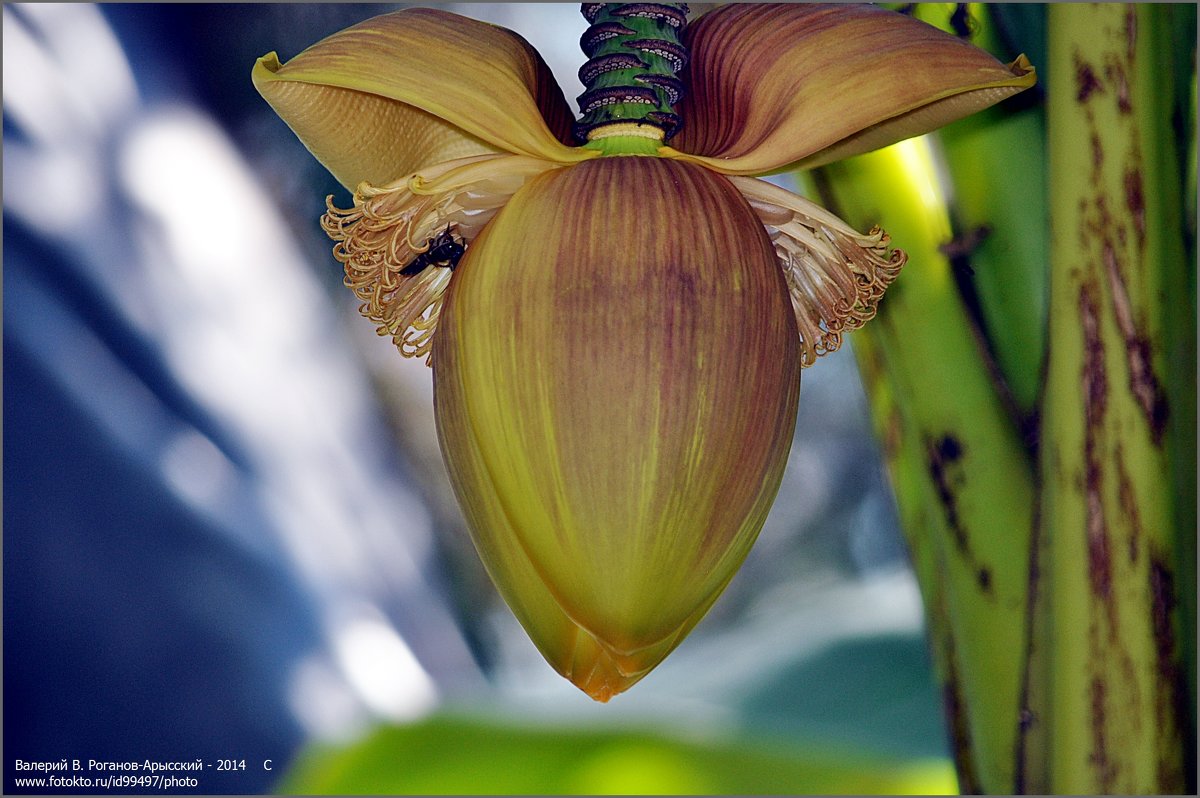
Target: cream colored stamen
390,226
835,275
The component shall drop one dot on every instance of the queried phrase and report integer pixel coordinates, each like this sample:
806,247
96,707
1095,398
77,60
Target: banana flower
616,329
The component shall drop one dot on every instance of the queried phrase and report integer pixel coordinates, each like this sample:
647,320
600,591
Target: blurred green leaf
996,164
461,755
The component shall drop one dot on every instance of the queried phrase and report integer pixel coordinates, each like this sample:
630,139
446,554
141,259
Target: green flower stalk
1113,711
1066,670
616,329
962,478
631,75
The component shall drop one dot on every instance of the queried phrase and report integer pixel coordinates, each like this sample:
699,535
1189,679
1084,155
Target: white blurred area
552,28
160,205
201,260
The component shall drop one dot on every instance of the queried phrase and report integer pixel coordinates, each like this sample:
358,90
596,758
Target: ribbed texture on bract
616,377
401,91
797,84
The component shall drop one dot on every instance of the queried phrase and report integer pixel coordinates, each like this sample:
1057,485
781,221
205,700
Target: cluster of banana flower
617,325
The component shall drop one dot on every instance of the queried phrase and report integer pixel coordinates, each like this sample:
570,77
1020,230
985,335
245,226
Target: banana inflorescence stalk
1042,452
631,75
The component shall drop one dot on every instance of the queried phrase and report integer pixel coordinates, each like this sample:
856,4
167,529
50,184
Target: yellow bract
402,91
593,372
617,355
773,87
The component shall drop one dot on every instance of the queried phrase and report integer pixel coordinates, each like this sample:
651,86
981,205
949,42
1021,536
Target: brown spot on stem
1095,380
1086,82
1135,201
1170,706
942,455
1097,157
960,733
1130,34
1143,382
1115,74
1099,556
1162,595
1124,103
964,244
1095,396
1127,501
1028,720
1105,770
949,449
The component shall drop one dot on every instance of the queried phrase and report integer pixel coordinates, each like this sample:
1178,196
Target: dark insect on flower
443,250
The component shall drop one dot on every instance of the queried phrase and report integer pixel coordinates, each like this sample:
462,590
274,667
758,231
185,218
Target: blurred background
227,528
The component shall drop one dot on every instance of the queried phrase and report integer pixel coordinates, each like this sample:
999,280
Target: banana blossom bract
617,356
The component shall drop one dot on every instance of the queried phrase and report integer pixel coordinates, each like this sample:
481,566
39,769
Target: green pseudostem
1067,662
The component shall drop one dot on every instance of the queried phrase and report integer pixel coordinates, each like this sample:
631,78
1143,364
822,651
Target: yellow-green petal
775,86
383,98
616,372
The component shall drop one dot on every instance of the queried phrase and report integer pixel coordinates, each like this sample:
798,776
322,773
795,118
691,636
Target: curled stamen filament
388,227
835,275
